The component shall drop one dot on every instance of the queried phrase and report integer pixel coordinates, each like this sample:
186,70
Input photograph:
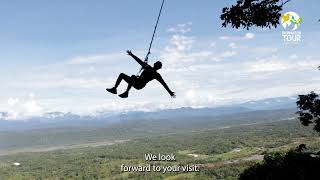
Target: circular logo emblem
291,20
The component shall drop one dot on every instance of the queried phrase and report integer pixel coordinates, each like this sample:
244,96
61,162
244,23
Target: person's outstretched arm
164,84
143,64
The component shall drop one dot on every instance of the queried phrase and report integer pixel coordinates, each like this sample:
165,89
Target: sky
61,55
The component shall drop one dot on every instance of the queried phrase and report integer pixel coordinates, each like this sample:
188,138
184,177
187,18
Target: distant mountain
3,115
271,103
51,120
142,128
59,119
184,112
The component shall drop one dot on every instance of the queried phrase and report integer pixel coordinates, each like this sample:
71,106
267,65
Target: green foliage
248,13
294,164
215,147
309,113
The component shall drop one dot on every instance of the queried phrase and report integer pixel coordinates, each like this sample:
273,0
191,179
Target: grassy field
221,152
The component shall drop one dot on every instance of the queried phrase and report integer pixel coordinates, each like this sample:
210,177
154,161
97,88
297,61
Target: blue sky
61,55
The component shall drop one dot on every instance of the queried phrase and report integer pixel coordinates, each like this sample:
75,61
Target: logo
291,19
291,22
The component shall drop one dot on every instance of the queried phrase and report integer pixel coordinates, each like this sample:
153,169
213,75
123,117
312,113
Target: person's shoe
124,95
112,90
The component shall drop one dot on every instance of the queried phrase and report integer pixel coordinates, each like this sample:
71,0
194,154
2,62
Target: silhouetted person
148,74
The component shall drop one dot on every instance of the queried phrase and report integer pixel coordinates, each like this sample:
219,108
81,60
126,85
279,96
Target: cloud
225,37
24,108
205,79
79,81
228,54
263,50
94,59
277,64
293,56
181,54
192,97
246,36
233,45
182,42
181,28
12,115
213,44
190,94
32,107
267,66
249,36
31,95
13,101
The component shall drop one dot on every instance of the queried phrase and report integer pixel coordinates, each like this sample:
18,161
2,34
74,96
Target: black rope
154,32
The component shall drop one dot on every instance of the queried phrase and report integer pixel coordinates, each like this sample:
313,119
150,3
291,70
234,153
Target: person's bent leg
130,83
121,77
126,93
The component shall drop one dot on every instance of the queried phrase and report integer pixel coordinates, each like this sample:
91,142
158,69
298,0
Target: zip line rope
154,32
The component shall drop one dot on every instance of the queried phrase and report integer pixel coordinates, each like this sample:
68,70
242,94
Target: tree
309,113
294,164
248,13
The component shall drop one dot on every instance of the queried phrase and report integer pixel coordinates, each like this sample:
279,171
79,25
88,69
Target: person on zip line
148,74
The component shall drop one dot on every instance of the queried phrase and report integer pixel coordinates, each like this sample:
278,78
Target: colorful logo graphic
291,19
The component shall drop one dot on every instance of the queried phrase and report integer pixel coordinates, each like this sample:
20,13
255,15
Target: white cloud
228,54
100,58
181,28
12,115
65,82
246,36
31,95
225,37
81,83
293,56
263,50
182,42
233,45
13,101
24,108
32,107
249,36
267,66
181,56
213,44
276,64
190,94
179,50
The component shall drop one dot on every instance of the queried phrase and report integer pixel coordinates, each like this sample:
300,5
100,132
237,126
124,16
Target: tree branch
283,3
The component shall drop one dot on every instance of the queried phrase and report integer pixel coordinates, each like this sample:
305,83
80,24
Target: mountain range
59,119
